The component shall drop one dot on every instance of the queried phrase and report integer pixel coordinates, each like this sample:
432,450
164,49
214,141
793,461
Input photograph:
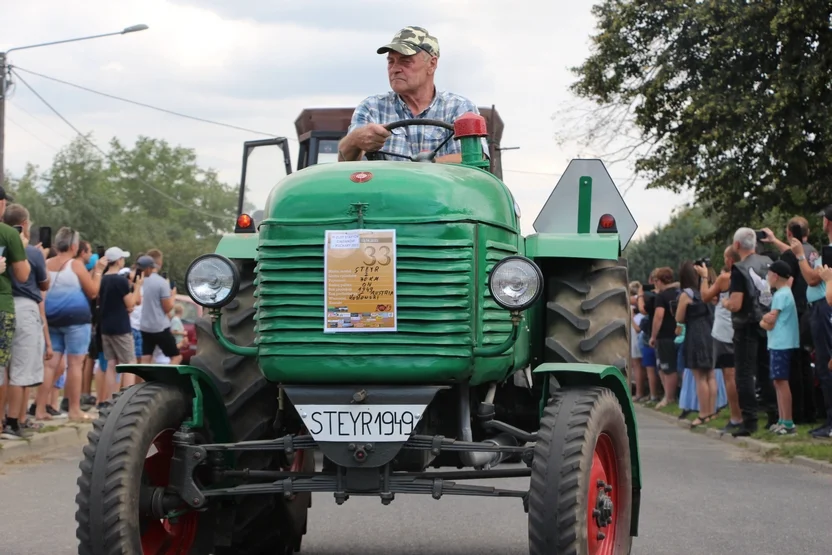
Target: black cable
142,104
108,157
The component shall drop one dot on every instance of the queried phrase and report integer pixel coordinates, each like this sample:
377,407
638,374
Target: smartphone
796,231
826,256
45,237
18,228
100,250
761,235
173,284
136,276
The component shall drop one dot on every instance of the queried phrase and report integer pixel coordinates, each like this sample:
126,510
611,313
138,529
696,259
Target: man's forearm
781,246
657,325
348,151
809,274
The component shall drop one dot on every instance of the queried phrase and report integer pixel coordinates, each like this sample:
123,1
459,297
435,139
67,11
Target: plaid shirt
389,107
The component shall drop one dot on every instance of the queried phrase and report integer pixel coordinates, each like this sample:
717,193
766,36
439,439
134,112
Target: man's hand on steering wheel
420,157
371,137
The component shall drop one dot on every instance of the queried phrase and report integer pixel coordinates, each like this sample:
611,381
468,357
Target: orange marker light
243,221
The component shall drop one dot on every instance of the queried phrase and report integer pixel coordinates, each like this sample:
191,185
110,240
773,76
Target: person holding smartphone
157,302
801,381
820,320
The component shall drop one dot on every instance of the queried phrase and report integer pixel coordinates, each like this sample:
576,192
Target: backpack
761,296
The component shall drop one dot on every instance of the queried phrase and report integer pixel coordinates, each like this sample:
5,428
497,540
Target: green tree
684,237
728,98
150,195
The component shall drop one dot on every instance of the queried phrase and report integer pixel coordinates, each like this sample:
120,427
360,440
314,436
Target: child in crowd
783,340
176,326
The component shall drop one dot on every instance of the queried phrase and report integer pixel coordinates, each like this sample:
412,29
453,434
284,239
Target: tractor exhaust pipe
479,459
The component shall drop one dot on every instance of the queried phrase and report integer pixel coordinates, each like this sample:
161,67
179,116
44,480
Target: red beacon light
607,224
470,124
244,223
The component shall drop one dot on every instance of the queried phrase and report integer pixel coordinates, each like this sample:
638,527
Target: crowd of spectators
754,339
68,317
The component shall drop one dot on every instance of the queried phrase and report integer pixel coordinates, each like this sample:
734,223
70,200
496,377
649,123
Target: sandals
702,420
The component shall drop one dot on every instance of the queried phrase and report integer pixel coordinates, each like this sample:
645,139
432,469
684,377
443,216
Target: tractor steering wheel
421,156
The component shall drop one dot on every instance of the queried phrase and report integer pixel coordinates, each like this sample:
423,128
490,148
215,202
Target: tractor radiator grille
496,321
434,297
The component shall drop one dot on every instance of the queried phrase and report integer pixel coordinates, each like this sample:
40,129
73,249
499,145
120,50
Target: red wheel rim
165,536
603,497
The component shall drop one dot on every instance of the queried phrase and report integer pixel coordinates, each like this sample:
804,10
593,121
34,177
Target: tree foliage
682,238
729,98
150,195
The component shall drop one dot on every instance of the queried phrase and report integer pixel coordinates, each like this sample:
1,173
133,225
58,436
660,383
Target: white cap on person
114,253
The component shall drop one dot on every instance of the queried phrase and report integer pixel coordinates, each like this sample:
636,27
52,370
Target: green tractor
376,328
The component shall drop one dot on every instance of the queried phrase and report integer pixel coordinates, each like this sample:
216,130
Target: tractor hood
391,192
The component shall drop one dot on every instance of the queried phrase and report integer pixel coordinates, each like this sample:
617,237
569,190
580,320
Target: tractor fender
208,407
610,377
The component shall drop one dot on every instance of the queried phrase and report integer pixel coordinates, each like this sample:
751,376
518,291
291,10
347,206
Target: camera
704,261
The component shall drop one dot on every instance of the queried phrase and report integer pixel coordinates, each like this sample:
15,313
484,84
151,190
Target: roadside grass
799,444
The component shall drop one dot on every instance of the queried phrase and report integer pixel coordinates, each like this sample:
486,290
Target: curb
761,447
43,443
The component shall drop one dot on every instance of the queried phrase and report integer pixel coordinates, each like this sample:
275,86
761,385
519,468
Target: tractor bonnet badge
361,177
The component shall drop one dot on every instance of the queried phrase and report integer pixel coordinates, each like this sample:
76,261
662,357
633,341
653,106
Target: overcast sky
258,63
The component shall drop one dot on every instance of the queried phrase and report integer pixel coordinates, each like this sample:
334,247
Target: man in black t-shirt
800,379
750,341
663,334
117,298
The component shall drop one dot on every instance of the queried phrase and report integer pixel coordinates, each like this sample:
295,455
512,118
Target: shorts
163,339
61,381
119,347
723,354
102,362
667,354
7,323
71,340
28,345
648,356
635,348
95,347
780,363
137,343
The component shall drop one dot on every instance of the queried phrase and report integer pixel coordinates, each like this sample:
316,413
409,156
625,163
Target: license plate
379,423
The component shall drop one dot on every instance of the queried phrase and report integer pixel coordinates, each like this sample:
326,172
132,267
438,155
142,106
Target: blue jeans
71,340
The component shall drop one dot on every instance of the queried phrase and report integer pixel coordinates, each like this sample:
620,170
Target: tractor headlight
212,280
515,283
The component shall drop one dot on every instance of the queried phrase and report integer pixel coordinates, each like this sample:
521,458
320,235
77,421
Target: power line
9,119
144,105
107,156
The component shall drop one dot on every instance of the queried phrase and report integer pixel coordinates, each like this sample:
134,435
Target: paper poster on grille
360,280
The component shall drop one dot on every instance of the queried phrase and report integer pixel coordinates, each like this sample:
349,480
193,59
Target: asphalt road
700,496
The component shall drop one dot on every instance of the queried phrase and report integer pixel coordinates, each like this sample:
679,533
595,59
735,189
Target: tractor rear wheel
580,500
262,523
588,316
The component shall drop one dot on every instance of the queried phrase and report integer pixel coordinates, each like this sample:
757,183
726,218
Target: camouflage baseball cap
411,40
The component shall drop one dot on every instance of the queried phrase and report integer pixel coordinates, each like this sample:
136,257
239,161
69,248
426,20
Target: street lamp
4,70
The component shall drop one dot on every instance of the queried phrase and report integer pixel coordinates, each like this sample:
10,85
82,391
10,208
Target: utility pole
2,117
4,81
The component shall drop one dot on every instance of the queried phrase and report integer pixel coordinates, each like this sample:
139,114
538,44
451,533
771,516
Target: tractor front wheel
128,456
581,485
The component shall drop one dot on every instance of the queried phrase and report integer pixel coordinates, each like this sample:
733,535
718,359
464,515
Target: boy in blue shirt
783,341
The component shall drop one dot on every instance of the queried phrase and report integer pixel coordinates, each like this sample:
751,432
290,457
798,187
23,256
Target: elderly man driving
412,57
